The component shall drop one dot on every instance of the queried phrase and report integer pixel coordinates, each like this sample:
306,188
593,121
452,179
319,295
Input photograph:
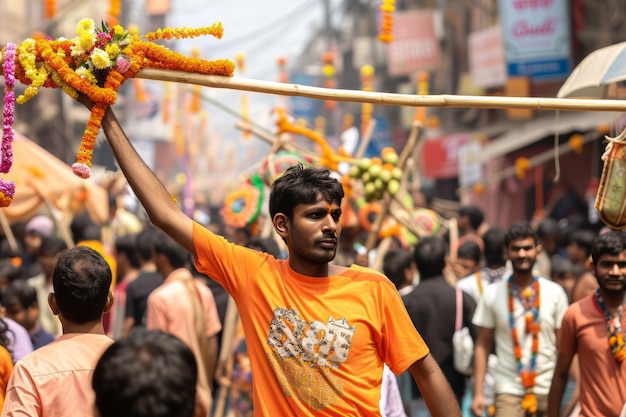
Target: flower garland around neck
530,299
96,63
615,329
7,188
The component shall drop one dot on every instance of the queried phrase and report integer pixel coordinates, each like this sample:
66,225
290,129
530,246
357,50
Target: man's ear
52,302
109,303
539,248
281,225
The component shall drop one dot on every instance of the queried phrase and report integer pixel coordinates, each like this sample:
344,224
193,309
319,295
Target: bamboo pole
6,228
393,99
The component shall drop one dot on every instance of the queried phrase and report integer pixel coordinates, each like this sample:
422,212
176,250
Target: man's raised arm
162,210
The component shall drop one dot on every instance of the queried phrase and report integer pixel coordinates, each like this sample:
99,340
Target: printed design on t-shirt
304,356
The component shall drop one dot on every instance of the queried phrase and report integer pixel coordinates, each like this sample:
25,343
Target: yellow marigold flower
85,25
118,30
100,59
112,49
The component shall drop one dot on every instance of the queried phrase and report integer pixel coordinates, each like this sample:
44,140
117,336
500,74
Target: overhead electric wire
289,17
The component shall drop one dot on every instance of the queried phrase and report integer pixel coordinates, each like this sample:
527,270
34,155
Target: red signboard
415,46
440,155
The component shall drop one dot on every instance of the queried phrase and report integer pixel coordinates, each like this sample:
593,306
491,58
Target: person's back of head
429,255
493,240
145,243
611,243
176,255
520,230
78,225
548,227
92,231
126,245
396,262
583,239
147,374
81,282
301,184
474,214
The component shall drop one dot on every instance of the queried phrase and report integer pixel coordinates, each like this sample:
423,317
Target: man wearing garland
522,314
593,328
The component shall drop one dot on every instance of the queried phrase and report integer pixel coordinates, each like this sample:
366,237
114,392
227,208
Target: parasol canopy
591,77
41,177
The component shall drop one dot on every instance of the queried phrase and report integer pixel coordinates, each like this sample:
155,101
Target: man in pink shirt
55,380
185,307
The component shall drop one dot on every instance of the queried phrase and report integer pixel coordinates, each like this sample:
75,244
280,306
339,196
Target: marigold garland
7,188
614,327
386,23
96,63
367,76
530,298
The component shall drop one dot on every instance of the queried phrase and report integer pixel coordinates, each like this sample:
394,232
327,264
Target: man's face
48,262
314,231
523,254
32,242
26,317
610,271
463,267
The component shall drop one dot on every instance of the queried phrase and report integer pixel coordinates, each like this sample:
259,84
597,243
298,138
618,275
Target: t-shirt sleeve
566,342
22,397
228,264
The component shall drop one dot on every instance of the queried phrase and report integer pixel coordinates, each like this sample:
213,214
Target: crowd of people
164,315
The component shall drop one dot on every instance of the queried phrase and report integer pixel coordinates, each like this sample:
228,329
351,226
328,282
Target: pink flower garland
7,188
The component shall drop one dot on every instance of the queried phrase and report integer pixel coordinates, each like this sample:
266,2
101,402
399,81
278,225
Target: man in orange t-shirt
318,334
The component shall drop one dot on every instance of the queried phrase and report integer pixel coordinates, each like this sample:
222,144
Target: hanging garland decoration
329,158
530,299
242,206
283,75
367,76
240,59
386,23
50,8
615,328
98,61
522,165
7,188
328,69
194,104
114,12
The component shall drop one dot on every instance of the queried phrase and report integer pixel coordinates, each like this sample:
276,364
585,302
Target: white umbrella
591,77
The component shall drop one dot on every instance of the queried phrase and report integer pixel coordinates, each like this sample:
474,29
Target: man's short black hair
81,282
147,374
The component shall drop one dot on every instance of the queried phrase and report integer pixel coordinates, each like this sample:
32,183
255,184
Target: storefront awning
537,129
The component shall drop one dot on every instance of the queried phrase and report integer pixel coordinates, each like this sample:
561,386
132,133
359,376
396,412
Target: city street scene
392,208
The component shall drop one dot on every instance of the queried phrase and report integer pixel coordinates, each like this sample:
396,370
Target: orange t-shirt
317,345
6,367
